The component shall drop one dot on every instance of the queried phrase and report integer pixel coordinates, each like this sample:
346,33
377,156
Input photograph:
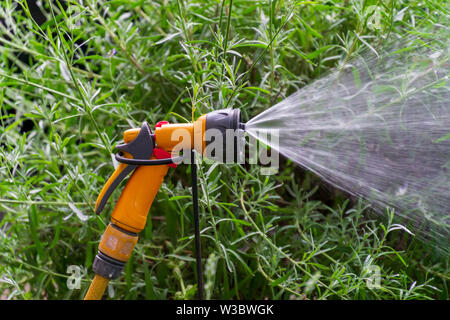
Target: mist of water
377,128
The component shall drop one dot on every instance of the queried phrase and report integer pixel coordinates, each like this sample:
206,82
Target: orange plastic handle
131,210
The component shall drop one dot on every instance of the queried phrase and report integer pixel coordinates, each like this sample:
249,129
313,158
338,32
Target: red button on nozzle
163,154
161,123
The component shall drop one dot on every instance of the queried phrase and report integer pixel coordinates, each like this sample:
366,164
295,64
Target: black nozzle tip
236,113
224,119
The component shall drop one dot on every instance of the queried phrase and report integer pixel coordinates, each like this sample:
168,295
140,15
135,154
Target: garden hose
147,157
97,288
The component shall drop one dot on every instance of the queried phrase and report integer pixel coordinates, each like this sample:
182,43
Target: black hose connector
107,267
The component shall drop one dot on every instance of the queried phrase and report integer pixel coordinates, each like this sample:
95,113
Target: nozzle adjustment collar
224,119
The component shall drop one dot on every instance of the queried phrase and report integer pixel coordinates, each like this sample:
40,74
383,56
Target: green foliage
96,68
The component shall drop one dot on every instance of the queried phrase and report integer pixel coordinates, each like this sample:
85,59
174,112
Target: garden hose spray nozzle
147,156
